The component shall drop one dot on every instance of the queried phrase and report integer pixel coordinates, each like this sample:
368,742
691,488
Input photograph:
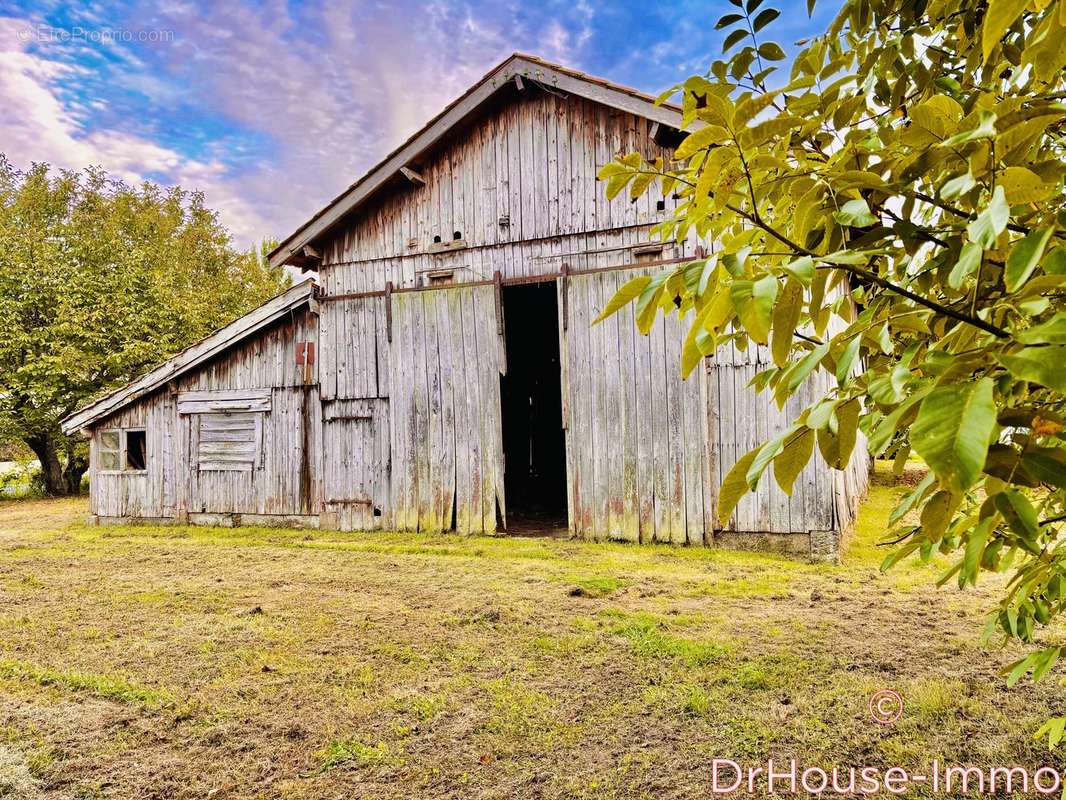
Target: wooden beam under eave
413,176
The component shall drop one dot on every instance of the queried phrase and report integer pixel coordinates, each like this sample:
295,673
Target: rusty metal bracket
497,285
564,281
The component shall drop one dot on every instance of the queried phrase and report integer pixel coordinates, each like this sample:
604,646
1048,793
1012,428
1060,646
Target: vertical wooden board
462,416
713,415
646,401
456,180
630,526
445,326
383,463
577,435
694,437
488,184
529,168
661,433
551,127
491,439
505,190
565,189
328,349
420,419
407,352
431,499
677,434
474,483
567,411
601,450
614,412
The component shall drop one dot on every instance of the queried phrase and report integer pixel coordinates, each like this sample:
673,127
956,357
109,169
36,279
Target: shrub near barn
98,281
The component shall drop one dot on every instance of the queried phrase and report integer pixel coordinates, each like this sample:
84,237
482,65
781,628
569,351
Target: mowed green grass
252,663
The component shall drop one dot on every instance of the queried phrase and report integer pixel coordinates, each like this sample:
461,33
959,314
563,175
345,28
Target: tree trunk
44,447
74,470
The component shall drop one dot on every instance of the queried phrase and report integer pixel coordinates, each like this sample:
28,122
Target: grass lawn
193,663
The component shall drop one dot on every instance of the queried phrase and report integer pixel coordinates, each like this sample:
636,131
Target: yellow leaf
630,291
999,17
1023,186
698,140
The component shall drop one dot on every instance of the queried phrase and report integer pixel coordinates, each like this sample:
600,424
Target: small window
441,278
110,450
123,450
136,450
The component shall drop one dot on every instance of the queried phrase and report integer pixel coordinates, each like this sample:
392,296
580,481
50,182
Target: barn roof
555,76
193,356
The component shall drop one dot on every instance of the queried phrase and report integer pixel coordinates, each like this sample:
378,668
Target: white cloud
37,127
323,92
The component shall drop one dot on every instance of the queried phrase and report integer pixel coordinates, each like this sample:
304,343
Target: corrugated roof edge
192,356
364,187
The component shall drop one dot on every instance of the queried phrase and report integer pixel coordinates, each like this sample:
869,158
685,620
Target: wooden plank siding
636,441
447,451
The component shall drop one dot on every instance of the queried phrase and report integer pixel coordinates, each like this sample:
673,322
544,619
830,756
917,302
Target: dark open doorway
534,444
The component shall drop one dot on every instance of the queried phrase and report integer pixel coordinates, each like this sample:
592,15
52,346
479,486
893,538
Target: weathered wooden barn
444,374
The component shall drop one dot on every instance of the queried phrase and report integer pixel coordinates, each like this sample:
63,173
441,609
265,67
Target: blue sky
272,108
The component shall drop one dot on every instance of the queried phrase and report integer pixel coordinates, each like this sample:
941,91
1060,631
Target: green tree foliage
98,281
891,211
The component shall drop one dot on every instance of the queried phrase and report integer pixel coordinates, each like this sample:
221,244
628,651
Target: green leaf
739,35
937,514
986,129
786,316
999,17
734,486
957,187
767,453
1022,185
1018,512
991,222
969,261
911,499
771,51
1051,332
1053,729
698,140
628,292
793,458
1043,365
802,269
953,429
648,302
751,107
847,431
855,214
1024,257
847,358
975,548
727,20
764,18
754,302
